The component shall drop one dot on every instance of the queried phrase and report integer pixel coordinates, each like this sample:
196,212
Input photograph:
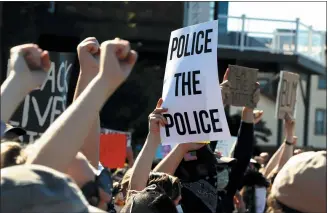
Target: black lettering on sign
181,129
288,93
170,124
203,113
206,122
207,40
187,83
215,120
174,46
191,132
181,46
200,44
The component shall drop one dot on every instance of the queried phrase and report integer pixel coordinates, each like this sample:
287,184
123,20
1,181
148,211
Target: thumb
159,103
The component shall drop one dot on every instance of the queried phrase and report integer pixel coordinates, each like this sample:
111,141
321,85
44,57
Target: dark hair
274,206
151,199
12,154
171,185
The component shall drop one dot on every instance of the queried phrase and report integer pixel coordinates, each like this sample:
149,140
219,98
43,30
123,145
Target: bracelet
288,143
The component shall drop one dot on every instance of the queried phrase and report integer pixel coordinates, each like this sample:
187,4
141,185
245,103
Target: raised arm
290,141
27,70
243,151
142,165
65,137
88,52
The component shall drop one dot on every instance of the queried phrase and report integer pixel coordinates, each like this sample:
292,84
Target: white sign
191,89
224,146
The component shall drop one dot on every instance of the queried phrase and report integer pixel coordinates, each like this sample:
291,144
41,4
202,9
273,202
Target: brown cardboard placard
242,81
286,95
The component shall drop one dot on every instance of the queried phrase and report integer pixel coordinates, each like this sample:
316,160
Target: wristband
288,143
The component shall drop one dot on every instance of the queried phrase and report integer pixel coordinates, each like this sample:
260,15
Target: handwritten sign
191,88
286,98
242,81
41,107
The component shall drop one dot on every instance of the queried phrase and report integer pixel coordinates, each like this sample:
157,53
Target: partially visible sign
191,90
242,81
112,150
112,131
224,147
41,107
286,95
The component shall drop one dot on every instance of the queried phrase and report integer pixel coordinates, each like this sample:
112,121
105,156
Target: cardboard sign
112,131
112,150
286,96
191,90
242,81
41,107
224,146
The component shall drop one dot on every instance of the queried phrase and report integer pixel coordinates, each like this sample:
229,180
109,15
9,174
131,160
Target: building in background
280,45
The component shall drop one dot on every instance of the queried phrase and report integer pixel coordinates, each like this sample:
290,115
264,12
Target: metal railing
269,35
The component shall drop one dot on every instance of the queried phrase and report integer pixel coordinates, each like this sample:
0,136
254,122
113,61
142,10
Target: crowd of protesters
61,172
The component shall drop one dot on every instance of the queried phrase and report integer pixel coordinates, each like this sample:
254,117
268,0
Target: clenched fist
116,61
29,63
88,52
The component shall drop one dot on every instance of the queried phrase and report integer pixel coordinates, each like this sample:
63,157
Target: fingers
122,48
90,44
45,60
158,118
226,74
159,103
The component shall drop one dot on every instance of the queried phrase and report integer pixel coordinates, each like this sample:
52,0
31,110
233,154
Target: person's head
35,188
12,154
170,184
94,187
300,186
152,199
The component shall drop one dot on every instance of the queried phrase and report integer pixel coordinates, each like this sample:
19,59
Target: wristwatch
288,143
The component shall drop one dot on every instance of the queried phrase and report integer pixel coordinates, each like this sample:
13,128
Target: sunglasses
91,189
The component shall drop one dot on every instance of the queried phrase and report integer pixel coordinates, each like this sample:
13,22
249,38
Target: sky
310,13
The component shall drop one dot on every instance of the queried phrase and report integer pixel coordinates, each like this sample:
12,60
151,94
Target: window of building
322,83
320,122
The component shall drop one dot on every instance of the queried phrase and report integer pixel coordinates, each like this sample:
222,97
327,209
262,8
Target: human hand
88,52
116,62
225,88
30,64
258,114
156,118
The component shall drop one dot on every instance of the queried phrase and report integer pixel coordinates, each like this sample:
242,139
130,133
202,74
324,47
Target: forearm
64,138
273,162
243,153
142,165
91,144
171,162
12,94
287,152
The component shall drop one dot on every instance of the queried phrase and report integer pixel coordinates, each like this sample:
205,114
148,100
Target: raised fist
88,52
30,63
116,61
